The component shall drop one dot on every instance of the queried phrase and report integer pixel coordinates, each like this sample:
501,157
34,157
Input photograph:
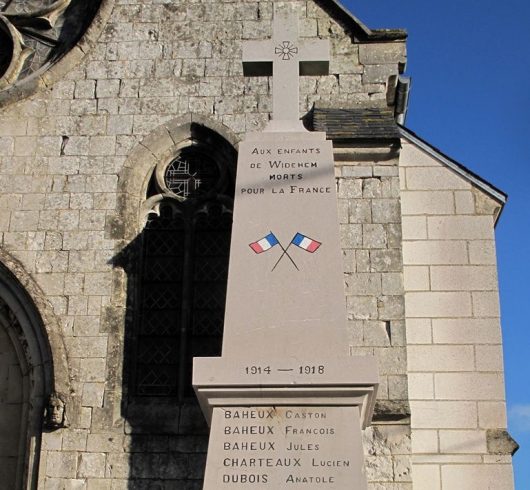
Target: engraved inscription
293,176
279,447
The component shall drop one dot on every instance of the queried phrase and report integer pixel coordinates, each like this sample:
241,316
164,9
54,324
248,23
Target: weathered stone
382,53
350,188
91,465
391,410
374,236
379,73
61,464
500,442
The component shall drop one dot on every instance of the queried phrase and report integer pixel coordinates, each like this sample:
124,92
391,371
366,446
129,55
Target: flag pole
285,253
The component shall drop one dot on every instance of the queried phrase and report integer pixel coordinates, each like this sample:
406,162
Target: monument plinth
285,402
284,447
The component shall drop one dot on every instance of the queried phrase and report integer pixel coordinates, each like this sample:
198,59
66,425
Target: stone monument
285,402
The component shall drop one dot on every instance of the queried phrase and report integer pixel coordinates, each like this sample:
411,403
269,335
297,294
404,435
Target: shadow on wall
177,269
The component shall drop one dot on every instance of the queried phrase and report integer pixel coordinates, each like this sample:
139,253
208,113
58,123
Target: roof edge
494,192
358,28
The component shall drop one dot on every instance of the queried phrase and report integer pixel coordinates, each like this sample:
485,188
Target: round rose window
36,33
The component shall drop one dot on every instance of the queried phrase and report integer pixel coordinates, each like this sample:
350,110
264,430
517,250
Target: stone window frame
189,213
136,201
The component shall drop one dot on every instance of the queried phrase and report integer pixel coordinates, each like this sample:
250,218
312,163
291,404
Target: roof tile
359,123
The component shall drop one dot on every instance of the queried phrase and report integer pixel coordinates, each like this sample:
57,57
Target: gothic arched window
183,266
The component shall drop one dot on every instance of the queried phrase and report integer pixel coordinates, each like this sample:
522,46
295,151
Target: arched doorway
26,377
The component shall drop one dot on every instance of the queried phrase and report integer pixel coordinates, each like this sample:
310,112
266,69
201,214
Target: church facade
119,129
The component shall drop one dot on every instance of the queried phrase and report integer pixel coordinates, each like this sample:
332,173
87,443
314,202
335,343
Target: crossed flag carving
299,240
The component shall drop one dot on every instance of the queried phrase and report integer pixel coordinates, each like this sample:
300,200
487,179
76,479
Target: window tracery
35,33
183,269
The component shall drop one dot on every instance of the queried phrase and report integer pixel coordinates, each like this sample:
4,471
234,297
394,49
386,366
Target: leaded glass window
183,271
191,174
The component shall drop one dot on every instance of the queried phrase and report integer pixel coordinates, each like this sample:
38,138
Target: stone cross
285,57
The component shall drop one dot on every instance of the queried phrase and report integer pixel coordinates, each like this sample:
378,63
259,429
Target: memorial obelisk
285,402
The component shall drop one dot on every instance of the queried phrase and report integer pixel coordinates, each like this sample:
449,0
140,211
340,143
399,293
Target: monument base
286,424
270,447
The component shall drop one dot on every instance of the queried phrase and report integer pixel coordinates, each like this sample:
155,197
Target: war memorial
227,263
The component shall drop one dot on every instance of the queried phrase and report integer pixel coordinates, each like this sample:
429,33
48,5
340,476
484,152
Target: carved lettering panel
285,447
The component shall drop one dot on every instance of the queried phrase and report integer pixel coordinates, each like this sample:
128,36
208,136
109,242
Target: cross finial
286,56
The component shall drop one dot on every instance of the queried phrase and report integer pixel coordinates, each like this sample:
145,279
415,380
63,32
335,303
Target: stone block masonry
370,216
454,350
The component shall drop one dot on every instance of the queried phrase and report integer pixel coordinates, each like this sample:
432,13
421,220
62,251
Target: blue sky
470,65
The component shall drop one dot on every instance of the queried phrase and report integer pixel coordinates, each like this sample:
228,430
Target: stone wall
456,383
370,217
370,220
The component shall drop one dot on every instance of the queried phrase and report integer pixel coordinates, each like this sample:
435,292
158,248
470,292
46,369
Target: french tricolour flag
264,244
305,242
